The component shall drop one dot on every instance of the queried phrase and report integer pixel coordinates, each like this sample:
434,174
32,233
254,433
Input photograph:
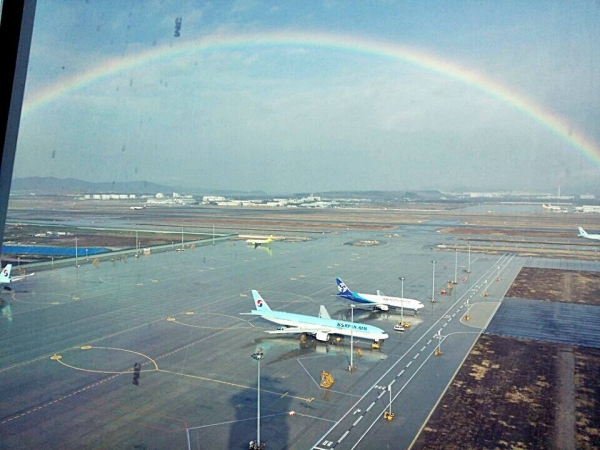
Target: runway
73,335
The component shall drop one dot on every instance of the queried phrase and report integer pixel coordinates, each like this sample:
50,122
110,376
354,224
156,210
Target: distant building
212,198
108,197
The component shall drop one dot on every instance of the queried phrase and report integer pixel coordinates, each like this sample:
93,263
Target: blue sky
296,118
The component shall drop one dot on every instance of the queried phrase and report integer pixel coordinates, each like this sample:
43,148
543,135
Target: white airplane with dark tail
379,301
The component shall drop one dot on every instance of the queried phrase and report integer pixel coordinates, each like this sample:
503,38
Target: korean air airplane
582,233
378,301
5,277
321,327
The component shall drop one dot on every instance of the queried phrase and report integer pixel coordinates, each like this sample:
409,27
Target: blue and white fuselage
379,301
582,233
321,327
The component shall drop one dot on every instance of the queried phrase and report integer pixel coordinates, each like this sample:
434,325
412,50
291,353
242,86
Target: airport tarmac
70,341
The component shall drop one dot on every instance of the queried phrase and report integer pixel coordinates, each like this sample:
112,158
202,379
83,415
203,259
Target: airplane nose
384,336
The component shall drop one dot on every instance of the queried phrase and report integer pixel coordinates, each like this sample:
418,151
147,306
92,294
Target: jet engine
322,336
383,307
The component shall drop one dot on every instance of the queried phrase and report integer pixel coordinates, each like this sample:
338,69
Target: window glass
175,155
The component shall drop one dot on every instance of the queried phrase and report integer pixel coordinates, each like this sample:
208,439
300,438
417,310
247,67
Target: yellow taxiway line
59,359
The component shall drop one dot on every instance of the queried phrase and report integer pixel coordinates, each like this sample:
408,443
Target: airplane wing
371,306
21,277
382,306
297,330
323,313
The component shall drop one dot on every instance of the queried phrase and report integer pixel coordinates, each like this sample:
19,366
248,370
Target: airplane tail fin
259,303
323,313
343,289
5,275
582,232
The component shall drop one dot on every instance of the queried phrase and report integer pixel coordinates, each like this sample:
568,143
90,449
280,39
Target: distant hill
53,185
62,186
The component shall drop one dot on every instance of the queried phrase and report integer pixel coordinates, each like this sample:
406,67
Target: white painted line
357,420
343,436
370,406
445,324
381,395
424,347
356,442
401,372
416,356
429,342
392,382
409,363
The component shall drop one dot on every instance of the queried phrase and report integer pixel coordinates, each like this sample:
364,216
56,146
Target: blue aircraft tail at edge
343,289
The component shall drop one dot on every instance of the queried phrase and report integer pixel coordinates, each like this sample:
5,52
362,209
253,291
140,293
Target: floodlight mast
469,264
351,367
402,301
455,265
258,355
433,283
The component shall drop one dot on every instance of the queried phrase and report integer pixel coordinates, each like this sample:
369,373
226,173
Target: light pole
433,283
402,302
455,266
351,367
388,414
258,355
438,350
469,265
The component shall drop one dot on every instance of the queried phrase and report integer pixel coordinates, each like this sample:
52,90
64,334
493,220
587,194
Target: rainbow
344,43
